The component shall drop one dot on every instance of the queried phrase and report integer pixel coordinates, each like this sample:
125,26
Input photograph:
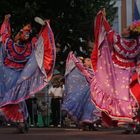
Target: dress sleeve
5,30
109,31
101,28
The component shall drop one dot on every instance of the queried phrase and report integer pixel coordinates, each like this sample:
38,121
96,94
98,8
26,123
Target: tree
71,21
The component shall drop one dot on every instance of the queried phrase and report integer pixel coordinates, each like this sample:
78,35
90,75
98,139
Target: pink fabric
110,85
110,89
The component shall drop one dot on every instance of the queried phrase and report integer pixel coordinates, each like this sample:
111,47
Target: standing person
90,107
26,66
29,103
32,107
77,101
56,92
116,62
44,112
35,111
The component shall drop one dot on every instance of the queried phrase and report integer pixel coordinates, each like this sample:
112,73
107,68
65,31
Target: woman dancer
26,66
77,101
116,64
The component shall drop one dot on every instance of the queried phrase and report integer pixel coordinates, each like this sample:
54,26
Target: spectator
56,92
44,112
32,107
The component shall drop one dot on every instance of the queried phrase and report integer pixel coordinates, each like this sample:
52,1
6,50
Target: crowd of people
103,89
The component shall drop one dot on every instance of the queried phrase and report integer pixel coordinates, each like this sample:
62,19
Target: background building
125,14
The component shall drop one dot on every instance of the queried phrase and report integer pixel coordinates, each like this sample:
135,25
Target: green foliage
71,20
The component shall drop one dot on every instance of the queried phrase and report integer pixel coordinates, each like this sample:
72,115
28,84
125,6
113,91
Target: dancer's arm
110,32
101,25
5,29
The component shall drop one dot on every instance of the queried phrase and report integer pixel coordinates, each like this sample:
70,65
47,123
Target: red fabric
13,64
48,50
99,22
108,29
5,31
17,56
135,87
12,112
107,121
94,55
34,40
106,24
121,63
127,43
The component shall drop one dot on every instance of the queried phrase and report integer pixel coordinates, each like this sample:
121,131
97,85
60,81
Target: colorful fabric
15,112
110,86
16,84
77,100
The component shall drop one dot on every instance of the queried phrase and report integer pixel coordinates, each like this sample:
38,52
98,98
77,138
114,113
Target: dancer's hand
104,11
47,20
7,17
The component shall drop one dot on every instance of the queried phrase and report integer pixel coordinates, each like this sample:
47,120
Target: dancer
116,64
77,101
26,66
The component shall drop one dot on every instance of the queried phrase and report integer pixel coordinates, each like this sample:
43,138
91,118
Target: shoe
93,129
59,125
31,125
85,128
26,127
39,21
8,125
127,132
136,129
23,128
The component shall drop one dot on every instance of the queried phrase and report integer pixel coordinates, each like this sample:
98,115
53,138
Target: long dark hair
134,34
58,81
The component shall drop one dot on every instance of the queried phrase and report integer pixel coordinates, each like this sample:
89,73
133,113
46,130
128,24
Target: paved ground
66,134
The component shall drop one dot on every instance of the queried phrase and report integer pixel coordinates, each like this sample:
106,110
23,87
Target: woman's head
133,30
126,32
24,34
81,58
57,80
87,62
